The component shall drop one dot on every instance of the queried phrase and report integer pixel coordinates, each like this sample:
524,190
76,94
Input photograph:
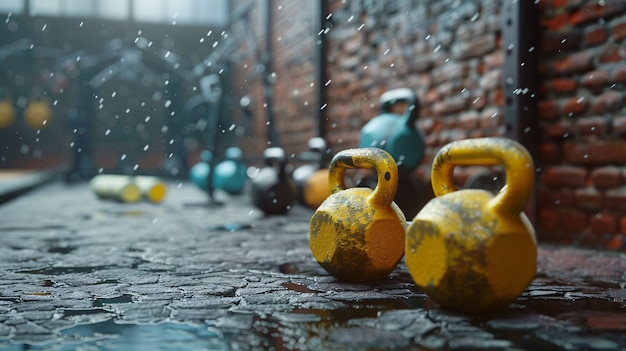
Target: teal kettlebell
200,171
230,174
396,133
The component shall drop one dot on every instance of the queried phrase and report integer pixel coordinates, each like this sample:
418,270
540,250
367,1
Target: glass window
113,9
45,7
13,6
149,10
211,12
78,8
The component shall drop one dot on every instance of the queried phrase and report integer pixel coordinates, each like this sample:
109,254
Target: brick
468,120
574,220
618,29
490,118
562,129
564,176
556,22
607,102
596,11
549,152
603,223
616,199
594,79
476,47
491,80
549,220
555,198
591,126
588,199
618,75
561,42
494,60
577,62
616,243
598,152
562,85
606,177
611,54
619,125
549,110
622,225
575,106
595,35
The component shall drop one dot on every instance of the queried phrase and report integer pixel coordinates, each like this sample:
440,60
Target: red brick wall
582,187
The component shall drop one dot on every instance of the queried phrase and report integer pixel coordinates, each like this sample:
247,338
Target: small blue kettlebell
200,171
230,174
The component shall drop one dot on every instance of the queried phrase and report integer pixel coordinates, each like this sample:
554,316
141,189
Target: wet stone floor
78,273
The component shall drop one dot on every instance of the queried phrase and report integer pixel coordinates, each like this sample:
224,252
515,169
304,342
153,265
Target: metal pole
321,69
521,48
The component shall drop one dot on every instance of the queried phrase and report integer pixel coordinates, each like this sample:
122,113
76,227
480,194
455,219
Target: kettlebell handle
518,166
275,157
406,95
376,158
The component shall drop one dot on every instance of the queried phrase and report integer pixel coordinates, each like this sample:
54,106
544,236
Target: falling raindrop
123,157
135,167
107,132
147,119
232,127
145,148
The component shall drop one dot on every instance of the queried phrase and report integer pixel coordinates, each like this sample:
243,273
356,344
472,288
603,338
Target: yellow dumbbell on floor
469,250
357,234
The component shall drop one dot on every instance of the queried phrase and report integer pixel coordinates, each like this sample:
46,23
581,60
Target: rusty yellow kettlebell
357,234
469,250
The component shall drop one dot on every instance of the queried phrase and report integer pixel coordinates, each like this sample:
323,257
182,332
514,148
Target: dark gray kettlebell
272,189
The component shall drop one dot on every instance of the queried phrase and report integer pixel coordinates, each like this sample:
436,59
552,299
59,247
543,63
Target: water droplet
107,132
123,157
145,148
135,167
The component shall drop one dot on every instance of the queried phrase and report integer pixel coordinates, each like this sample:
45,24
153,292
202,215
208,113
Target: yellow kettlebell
469,250
357,234
38,113
7,112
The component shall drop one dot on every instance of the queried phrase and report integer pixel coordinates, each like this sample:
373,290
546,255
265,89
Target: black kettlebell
272,189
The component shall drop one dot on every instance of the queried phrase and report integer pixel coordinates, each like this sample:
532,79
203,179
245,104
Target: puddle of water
109,335
125,298
229,227
64,270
